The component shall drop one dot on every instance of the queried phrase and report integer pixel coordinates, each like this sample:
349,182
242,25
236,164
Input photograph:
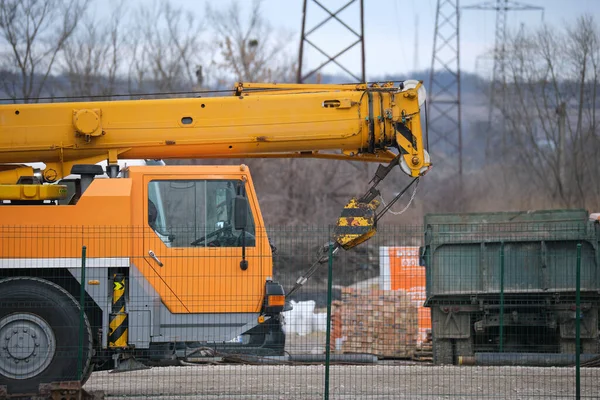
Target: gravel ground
347,382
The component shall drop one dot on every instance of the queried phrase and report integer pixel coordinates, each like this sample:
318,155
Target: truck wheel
588,346
39,335
567,346
442,351
464,347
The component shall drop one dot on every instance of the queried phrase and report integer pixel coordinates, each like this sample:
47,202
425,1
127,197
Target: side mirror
240,212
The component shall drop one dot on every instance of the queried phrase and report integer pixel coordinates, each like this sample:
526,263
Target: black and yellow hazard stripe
117,334
356,224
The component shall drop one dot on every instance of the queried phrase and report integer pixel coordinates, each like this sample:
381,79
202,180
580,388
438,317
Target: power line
104,96
197,92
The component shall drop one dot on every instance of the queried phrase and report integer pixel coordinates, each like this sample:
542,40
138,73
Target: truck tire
588,346
442,351
567,346
39,335
464,347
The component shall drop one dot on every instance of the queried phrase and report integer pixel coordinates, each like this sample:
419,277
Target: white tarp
302,319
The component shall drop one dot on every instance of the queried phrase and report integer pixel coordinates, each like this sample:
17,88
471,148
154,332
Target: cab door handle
153,256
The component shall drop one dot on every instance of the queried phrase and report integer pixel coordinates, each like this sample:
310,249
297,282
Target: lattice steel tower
445,128
358,39
498,84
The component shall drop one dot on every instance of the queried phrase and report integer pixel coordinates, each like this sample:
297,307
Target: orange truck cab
168,235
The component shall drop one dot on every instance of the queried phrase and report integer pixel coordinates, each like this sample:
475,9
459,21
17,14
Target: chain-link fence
499,307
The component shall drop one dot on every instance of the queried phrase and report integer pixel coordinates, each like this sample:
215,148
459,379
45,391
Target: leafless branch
550,110
36,33
250,50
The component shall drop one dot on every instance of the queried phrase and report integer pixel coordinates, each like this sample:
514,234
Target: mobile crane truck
176,257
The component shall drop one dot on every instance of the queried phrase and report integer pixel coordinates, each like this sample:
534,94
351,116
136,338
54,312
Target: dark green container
507,283
462,252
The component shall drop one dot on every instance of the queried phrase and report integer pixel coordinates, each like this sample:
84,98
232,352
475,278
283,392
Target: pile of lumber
380,322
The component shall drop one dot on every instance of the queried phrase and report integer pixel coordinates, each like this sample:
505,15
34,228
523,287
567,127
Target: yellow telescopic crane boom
349,122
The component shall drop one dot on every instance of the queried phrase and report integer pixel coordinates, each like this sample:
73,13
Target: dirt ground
390,381
387,379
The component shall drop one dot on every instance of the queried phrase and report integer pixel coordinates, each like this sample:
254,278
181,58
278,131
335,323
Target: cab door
191,243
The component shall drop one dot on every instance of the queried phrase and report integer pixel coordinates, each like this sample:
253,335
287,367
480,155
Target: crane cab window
197,213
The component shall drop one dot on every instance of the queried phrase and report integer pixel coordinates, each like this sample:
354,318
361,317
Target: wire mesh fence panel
183,311
451,309
501,291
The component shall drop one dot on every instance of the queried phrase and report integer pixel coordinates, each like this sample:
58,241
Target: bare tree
34,33
550,112
166,48
250,50
93,57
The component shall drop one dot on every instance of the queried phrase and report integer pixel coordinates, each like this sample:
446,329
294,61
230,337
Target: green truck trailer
506,282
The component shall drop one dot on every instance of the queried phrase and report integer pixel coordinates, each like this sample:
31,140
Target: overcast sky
391,27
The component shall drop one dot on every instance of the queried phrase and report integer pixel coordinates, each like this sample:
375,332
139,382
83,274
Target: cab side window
197,213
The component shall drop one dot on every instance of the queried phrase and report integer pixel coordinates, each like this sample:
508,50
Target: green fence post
328,337
578,323
501,297
81,315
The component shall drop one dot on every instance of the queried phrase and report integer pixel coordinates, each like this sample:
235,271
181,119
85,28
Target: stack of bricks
425,351
380,322
336,322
